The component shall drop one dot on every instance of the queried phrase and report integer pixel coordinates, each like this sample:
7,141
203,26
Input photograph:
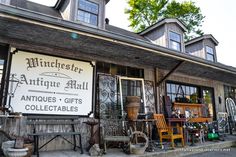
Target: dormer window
209,53
7,2
88,12
175,41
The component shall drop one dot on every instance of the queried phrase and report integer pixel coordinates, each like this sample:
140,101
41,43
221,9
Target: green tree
145,13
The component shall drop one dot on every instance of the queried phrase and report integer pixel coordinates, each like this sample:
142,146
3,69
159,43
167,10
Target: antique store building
68,60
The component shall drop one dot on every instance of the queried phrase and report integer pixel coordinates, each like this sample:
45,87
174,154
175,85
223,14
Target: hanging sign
42,84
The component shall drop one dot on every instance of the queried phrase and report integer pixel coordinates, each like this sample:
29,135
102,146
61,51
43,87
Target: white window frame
121,94
7,2
87,12
1,72
178,42
208,53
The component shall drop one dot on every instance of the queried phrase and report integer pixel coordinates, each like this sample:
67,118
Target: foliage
143,14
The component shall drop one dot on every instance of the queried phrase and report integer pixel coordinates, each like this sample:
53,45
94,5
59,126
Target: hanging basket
132,107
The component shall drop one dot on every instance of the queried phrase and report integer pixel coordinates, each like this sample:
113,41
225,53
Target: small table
180,121
176,120
91,140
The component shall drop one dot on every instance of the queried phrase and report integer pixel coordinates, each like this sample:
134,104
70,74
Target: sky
220,21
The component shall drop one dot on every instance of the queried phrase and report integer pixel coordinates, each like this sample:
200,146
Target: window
88,12
114,69
230,92
209,53
175,41
207,96
189,91
7,2
196,94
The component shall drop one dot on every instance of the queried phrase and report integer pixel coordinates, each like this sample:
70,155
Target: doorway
208,100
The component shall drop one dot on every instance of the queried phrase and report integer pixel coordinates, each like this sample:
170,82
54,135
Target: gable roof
205,36
123,32
60,3
35,7
162,22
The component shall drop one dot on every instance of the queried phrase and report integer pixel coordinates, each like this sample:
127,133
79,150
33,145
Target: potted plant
194,98
20,147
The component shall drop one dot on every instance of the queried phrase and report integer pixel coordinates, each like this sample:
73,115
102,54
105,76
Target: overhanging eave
52,32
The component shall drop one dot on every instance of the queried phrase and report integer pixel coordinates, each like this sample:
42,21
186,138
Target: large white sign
41,84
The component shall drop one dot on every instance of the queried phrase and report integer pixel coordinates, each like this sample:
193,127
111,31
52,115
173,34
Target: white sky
220,21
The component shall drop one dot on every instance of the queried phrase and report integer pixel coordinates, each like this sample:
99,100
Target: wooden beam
170,72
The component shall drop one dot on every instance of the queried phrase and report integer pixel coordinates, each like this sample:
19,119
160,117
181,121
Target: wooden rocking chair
166,132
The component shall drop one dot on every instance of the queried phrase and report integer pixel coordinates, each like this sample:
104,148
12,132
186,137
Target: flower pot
9,151
13,152
6,145
30,149
132,107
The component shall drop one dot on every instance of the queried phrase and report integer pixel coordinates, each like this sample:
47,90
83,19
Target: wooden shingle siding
196,49
66,10
157,36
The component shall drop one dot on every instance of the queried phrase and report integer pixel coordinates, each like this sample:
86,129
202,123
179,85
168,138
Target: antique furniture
192,132
115,131
195,109
145,126
139,148
231,110
132,107
167,132
36,121
92,124
178,122
223,123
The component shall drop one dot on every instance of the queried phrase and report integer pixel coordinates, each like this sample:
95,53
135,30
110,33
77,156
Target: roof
123,32
45,34
162,22
35,7
206,36
60,3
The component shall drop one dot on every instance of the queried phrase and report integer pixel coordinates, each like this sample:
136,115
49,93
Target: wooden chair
166,132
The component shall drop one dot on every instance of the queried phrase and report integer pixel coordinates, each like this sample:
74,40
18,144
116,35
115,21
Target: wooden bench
53,120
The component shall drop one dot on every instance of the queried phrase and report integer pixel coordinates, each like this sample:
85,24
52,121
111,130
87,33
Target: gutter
31,17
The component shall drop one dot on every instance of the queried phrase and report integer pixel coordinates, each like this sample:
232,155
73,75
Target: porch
227,146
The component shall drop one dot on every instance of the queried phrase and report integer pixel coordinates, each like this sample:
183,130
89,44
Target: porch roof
51,35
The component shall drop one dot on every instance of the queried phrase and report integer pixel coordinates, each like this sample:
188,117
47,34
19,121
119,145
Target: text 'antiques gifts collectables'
42,84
